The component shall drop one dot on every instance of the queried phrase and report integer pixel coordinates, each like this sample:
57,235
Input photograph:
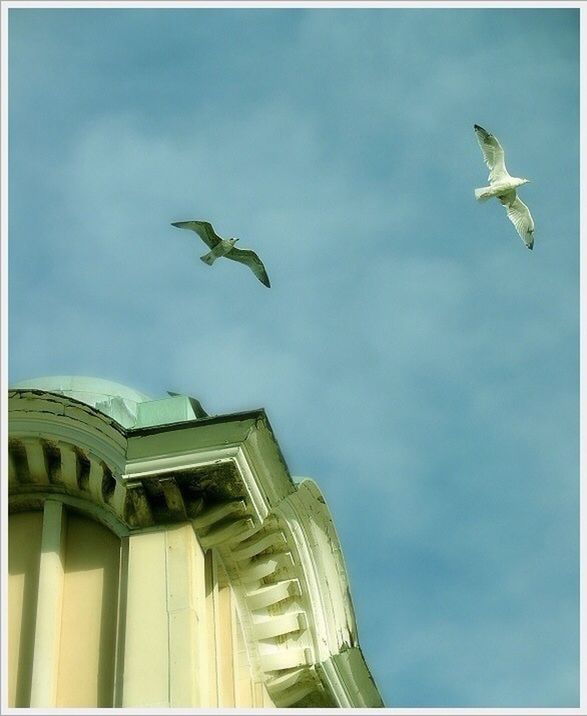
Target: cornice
36,413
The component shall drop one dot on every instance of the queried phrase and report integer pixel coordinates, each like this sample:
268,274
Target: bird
503,186
224,247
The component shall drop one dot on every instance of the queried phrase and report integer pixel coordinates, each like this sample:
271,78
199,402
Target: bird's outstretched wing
492,153
519,215
203,229
250,258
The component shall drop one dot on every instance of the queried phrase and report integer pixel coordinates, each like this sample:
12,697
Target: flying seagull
503,186
225,247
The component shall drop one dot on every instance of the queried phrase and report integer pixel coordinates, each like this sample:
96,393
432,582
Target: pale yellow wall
24,544
148,620
146,651
82,658
88,619
165,626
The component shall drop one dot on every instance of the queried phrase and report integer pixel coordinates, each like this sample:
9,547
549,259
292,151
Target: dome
130,408
113,399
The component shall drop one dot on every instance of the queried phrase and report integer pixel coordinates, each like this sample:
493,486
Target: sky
413,357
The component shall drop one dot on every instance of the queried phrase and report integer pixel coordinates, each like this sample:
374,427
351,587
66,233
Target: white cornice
56,417
319,551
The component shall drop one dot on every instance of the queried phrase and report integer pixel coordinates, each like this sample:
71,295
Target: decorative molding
42,468
36,413
226,476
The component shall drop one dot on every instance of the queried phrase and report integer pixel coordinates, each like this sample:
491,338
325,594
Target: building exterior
160,557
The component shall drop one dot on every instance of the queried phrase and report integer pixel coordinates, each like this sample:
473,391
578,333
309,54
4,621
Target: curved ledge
56,418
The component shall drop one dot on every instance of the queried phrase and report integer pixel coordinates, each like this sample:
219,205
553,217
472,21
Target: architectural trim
49,604
275,538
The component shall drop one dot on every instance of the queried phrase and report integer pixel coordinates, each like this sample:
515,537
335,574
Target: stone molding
225,475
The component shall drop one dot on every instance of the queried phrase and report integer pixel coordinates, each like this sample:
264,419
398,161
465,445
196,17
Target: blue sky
413,357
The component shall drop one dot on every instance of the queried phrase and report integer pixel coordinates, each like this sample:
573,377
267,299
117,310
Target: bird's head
525,181
233,240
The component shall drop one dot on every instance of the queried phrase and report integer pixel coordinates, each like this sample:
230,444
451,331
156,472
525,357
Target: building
161,557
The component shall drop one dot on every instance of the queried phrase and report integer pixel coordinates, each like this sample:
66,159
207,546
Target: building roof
140,463
130,408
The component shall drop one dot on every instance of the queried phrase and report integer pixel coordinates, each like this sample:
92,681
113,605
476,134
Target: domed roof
114,399
130,408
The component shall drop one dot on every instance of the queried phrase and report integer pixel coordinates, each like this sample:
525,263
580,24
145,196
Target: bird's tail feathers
483,194
208,258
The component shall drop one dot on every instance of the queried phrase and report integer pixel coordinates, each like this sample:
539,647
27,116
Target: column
48,618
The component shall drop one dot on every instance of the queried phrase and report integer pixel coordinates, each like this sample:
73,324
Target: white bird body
503,186
498,188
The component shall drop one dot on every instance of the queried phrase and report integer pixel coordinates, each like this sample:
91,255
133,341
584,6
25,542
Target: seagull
224,247
503,186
